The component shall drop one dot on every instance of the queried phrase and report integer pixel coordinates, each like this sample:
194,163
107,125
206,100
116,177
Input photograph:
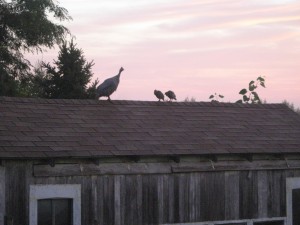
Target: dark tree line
25,27
68,77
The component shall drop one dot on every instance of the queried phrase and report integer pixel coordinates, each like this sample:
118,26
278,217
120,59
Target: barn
88,162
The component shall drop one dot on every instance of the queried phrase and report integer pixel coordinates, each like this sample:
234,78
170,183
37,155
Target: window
296,206
279,222
293,200
55,204
55,211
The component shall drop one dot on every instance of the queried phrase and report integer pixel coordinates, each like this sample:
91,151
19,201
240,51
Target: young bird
159,95
171,95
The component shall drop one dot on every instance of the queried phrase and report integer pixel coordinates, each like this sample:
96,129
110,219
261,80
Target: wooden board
2,194
102,169
158,198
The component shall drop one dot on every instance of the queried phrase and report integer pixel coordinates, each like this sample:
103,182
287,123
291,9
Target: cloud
195,47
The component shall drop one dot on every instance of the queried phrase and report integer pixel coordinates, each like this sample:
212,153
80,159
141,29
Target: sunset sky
193,47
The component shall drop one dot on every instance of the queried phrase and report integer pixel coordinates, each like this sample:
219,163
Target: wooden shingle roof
41,128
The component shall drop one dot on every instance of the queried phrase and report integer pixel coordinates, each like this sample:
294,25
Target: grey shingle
39,128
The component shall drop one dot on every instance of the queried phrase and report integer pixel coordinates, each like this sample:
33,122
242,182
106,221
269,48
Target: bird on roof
171,95
109,86
159,95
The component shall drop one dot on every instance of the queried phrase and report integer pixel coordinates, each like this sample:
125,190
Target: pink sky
193,47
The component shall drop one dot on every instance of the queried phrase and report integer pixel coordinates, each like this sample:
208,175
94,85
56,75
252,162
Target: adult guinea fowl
159,95
109,86
171,95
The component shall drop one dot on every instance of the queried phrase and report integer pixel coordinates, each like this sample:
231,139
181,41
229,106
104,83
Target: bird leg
108,99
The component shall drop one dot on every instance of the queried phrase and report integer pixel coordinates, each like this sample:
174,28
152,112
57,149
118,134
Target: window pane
63,211
55,211
296,206
44,212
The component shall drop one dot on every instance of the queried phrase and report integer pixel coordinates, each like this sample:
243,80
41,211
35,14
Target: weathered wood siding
2,194
159,198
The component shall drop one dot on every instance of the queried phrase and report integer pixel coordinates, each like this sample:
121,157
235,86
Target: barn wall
159,198
2,194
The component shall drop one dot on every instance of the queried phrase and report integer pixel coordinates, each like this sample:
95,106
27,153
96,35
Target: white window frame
291,183
72,191
246,221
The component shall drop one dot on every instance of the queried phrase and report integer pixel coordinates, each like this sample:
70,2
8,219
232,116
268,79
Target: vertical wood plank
262,193
154,197
204,204
282,193
248,194
86,199
28,181
94,198
275,193
2,194
176,196
232,195
181,197
192,201
100,200
15,188
212,196
166,198
198,196
186,197
171,198
218,196
139,193
131,200
150,199
122,198
145,190
108,197
160,198
117,200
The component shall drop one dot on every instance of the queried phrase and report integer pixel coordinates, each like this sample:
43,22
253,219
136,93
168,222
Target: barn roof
40,128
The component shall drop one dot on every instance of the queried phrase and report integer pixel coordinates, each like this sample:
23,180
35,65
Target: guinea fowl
171,95
159,95
109,86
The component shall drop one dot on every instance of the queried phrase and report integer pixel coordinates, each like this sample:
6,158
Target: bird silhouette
109,86
159,95
171,95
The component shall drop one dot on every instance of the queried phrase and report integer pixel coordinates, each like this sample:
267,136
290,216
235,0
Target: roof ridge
134,102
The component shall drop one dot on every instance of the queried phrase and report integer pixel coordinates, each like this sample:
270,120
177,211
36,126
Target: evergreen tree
70,75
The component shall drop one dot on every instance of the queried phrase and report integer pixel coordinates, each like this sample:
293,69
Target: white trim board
246,221
72,191
291,183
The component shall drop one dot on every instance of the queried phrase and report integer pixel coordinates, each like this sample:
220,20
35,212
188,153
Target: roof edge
4,99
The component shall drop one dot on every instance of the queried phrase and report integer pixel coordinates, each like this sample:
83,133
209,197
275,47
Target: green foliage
215,97
39,82
91,91
69,76
25,26
250,95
